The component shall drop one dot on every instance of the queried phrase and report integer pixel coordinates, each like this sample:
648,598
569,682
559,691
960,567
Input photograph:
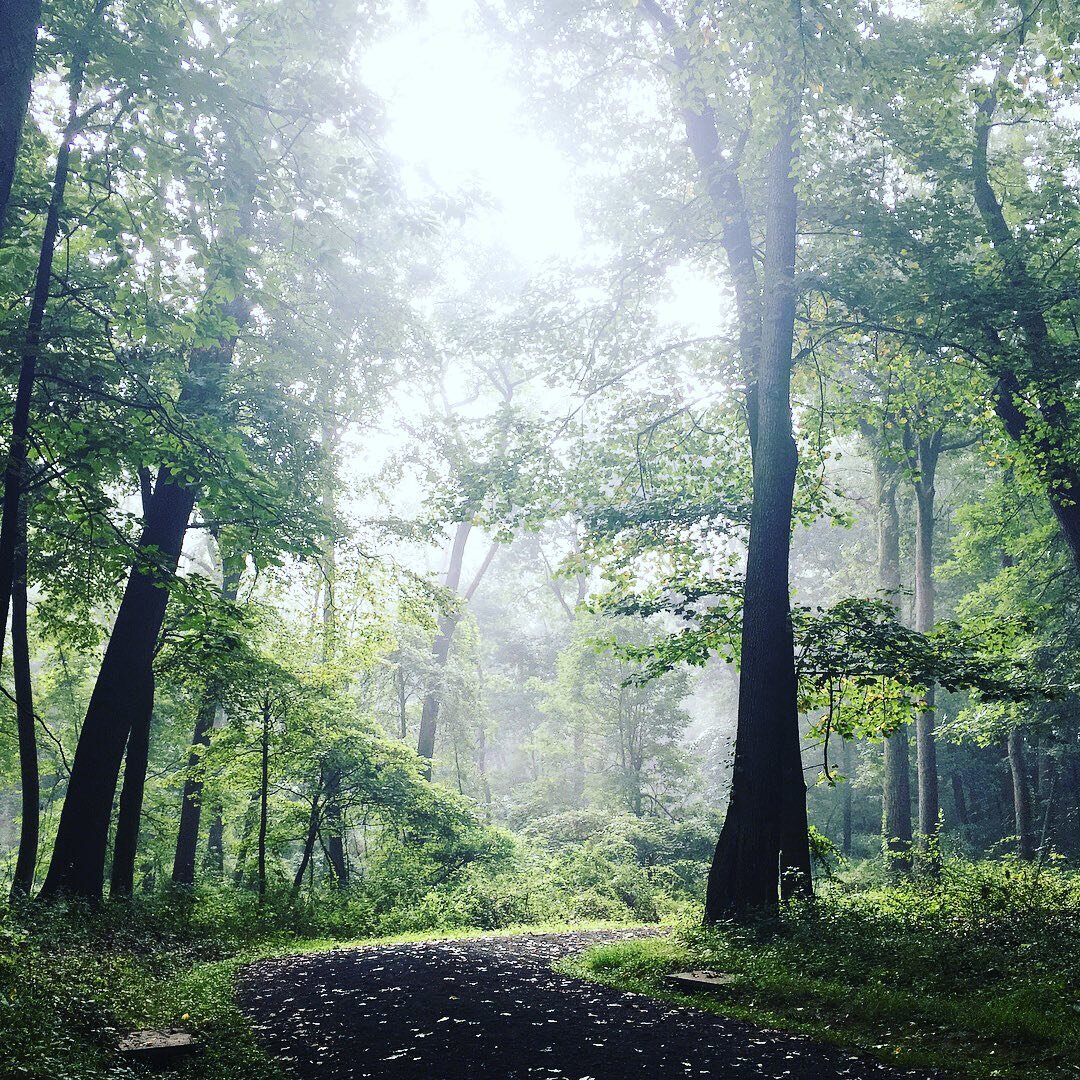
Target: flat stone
702,980
156,1047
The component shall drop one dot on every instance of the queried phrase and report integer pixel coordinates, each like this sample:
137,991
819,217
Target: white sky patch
457,121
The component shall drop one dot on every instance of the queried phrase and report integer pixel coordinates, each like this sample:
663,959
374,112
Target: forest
537,483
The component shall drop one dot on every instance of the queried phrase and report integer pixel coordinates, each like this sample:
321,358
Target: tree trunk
123,698
847,764
763,851
440,649
335,841
22,882
20,20
264,800
926,458
1021,791
126,842
959,799
1046,430
16,467
215,843
309,840
247,829
187,836
896,782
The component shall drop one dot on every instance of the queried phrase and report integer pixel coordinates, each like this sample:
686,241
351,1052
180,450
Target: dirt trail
492,1008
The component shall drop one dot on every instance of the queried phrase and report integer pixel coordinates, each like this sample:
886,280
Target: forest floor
494,1007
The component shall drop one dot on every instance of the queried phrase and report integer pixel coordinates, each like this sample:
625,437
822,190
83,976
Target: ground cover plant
975,973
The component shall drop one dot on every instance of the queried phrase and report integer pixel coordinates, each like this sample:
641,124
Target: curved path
492,1008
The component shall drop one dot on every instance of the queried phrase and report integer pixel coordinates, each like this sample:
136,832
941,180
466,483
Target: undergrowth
976,973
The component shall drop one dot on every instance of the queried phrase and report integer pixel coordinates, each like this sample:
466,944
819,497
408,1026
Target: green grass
978,976
71,983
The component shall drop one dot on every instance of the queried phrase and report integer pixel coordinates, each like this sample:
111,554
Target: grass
977,975
71,983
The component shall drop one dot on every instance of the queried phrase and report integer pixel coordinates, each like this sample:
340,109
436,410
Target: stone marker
702,980
156,1048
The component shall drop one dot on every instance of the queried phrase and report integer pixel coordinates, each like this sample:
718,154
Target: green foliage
972,973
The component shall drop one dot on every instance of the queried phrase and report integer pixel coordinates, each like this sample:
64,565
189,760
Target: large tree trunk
22,882
1021,790
126,842
20,20
763,852
123,698
16,467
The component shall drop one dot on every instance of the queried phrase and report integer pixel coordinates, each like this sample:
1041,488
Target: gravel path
492,1008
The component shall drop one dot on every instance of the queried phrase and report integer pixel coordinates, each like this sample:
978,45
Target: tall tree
20,20
763,853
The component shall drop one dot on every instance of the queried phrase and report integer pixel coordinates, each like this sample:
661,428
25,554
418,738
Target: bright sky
458,121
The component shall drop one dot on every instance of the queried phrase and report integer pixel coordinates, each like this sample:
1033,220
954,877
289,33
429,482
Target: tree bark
1047,431
123,695
123,699
440,649
126,842
22,882
187,836
896,782
1021,791
20,20
264,800
16,466
763,851
309,840
927,450
959,799
215,843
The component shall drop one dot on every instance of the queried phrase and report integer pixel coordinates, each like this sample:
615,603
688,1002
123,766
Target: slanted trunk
20,20
126,842
440,649
22,882
123,696
763,851
1045,428
1021,791
309,840
123,699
